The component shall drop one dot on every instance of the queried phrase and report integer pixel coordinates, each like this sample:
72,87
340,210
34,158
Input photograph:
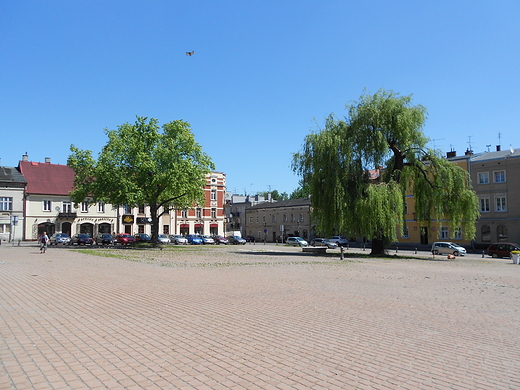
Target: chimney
47,160
25,157
468,152
498,148
451,154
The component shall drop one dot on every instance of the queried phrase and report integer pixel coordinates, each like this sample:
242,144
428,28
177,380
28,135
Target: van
502,249
448,248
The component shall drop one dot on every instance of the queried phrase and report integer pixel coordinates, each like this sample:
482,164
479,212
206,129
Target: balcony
67,215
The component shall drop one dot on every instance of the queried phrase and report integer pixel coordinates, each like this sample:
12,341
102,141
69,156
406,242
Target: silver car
448,248
324,242
178,239
59,238
163,239
297,241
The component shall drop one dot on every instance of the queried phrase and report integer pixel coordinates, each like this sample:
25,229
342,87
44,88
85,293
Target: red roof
47,178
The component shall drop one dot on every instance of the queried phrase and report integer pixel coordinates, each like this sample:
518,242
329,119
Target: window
458,234
184,214
483,178
292,217
405,207
213,194
67,207
444,233
141,209
84,207
285,217
500,203
405,232
199,212
301,217
213,213
101,207
5,228
250,219
6,204
499,176
273,218
47,205
166,229
502,233
484,205
485,232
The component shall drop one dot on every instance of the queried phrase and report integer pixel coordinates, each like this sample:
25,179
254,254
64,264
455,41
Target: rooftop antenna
469,143
436,139
488,146
499,136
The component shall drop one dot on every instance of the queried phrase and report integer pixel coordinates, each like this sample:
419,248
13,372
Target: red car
125,239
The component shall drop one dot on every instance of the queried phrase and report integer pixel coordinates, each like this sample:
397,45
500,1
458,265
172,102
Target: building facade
12,187
274,222
48,207
497,184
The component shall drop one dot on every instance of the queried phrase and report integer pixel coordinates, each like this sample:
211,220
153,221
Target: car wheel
456,253
494,255
435,252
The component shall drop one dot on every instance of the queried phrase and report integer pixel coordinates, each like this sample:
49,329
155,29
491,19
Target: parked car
125,239
341,241
220,240
324,242
163,239
178,239
207,240
59,238
236,240
142,237
250,239
105,239
502,249
194,239
81,239
448,248
297,241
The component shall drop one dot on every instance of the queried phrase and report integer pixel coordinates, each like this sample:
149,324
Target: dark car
502,249
236,240
105,239
81,239
142,237
220,240
59,238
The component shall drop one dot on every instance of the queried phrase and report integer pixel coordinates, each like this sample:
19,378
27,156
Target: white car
297,241
341,241
448,248
178,239
163,239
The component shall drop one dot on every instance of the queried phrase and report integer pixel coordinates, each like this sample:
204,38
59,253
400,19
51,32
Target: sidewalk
255,318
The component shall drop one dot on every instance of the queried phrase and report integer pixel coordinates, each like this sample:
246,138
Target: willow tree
144,164
360,168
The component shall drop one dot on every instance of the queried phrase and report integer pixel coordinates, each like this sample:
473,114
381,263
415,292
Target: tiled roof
10,177
47,178
283,203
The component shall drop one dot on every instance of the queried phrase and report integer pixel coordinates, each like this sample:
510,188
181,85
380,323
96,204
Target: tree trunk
378,247
155,223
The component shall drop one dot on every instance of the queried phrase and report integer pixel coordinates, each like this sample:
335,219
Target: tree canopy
360,168
144,164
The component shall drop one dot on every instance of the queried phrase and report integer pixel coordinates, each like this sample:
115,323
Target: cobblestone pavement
255,317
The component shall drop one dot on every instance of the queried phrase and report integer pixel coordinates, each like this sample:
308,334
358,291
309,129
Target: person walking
43,242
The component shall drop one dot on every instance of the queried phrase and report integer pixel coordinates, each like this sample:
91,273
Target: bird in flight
190,53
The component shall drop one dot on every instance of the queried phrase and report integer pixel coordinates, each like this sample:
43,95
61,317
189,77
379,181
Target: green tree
144,164
340,163
303,191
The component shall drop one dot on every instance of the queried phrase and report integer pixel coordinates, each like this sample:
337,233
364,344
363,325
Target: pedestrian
43,242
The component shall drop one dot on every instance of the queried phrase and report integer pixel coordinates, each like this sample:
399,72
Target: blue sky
264,74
